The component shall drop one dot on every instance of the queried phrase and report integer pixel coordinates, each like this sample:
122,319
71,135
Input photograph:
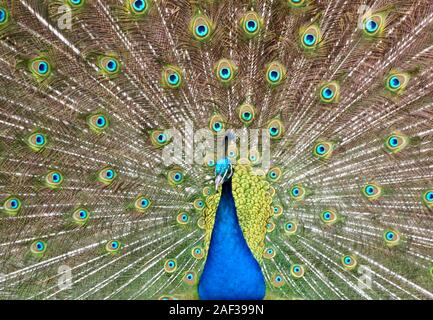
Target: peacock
216,149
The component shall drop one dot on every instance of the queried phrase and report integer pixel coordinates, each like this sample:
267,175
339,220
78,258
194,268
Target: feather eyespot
170,265
217,124
225,71
328,217
80,216
98,122
109,66
291,228
197,252
12,205
297,271
349,262
323,150
76,3
113,246
275,73
251,24
201,28
40,68
171,77
391,237
428,198
37,141
199,204
274,174
396,142
176,176
269,253
190,278
137,7
53,179
310,37
374,25
330,92
372,191
38,247
4,17
296,3
107,175
246,113
275,129
142,203
182,218
297,192
396,82
277,280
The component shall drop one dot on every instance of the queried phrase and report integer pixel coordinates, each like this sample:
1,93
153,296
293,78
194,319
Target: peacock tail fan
108,187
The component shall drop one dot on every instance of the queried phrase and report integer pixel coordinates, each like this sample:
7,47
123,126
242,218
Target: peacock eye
349,262
297,271
113,246
374,25
175,176
269,253
396,82
139,5
201,27
38,247
275,129
4,16
75,3
372,191
391,237
40,68
275,73
328,217
216,124
395,142
190,277
107,175
80,216
296,3
170,265
225,71
297,192
329,92
53,179
12,205
428,198
197,252
98,122
171,77
36,141
323,150
277,280
274,174
109,66
142,203
182,218
310,37
291,228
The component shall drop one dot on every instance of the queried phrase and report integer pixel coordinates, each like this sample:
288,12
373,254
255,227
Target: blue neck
231,272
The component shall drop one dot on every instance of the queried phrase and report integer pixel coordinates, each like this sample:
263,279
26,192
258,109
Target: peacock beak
218,181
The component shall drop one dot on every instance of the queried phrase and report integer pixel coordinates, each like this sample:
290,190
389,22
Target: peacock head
223,171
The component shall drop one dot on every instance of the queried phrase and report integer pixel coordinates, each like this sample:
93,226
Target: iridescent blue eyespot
429,196
390,235
83,214
371,26
2,15
394,82
309,39
109,174
201,30
369,190
139,5
162,138
225,73
393,142
217,126
295,191
40,139
320,149
173,79
273,131
40,246
251,25
43,67
112,65
274,75
327,93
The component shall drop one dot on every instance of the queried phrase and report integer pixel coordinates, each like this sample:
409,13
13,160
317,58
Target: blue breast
231,272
